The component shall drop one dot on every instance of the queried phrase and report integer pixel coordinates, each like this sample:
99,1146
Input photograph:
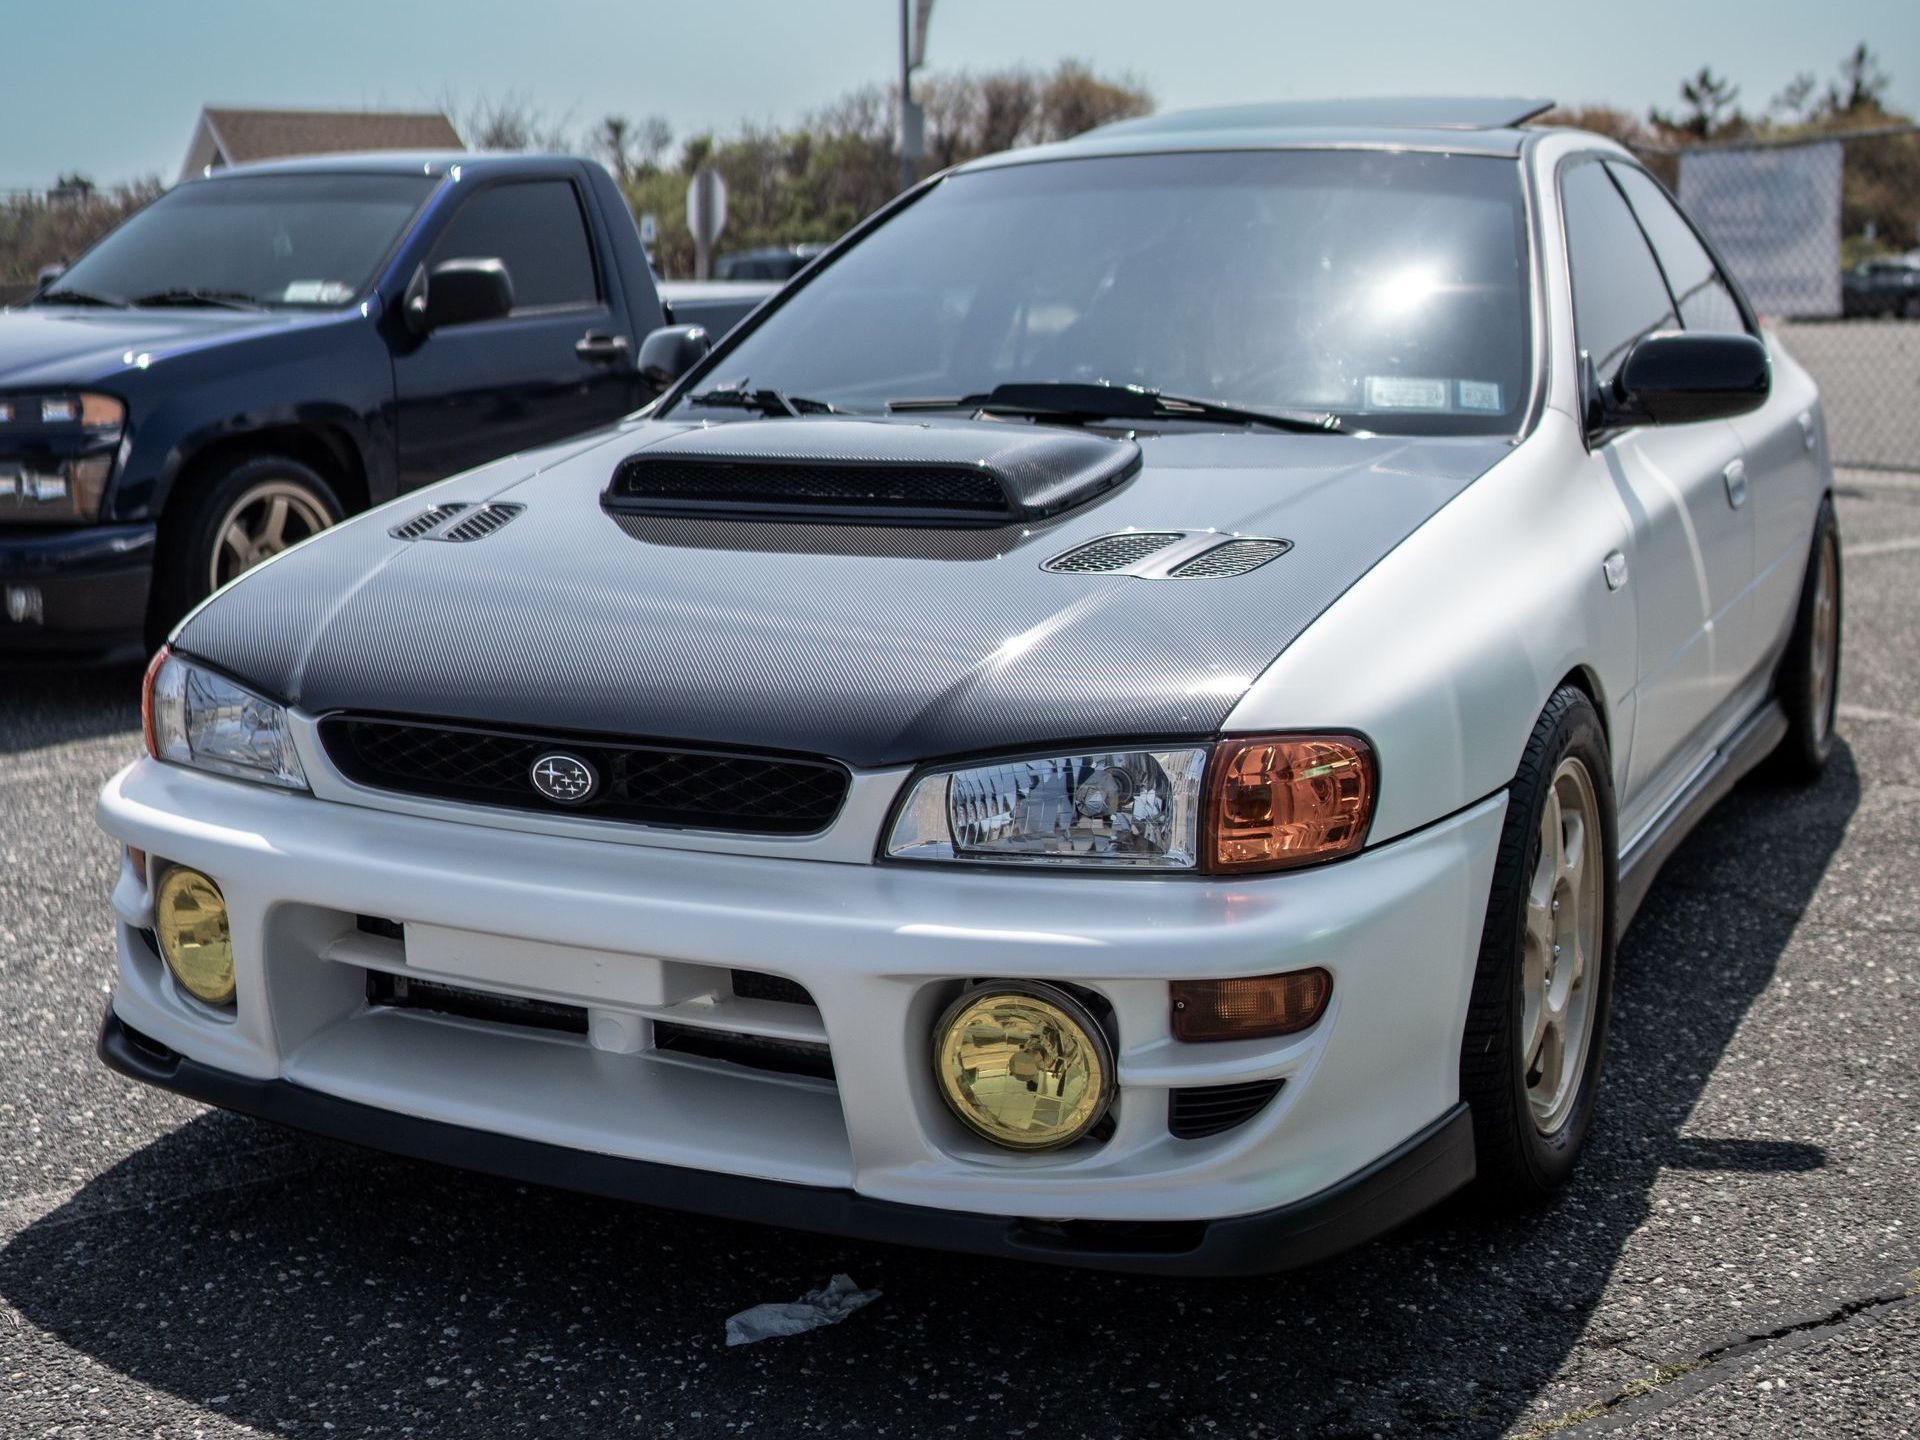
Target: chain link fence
1823,233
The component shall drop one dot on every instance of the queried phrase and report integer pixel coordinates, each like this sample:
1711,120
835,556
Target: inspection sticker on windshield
1400,392
317,292
1480,395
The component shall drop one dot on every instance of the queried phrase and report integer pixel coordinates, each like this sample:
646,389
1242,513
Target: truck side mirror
458,292
47,274
669,352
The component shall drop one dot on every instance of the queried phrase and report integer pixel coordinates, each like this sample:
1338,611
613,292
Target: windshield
267,239
1390,289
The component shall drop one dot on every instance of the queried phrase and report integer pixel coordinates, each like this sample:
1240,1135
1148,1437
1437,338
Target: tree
512,122
1862,84
1710,108
613,142
1795,103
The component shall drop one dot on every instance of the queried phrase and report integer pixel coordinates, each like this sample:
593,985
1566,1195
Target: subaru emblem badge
564,779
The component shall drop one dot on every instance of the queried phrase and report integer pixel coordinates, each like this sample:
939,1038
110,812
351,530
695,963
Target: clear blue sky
111,88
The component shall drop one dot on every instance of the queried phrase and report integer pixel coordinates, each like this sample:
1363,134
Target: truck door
560,364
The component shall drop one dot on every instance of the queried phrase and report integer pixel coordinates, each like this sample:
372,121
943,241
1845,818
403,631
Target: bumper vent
401,992
1210,1109
428,520
1111,554
1236,557
656,784
481,523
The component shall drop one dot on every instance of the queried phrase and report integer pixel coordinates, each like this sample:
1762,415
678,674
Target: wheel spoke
273,530
237,541
1573,853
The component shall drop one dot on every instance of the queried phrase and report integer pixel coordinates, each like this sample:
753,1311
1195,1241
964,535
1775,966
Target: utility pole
910,132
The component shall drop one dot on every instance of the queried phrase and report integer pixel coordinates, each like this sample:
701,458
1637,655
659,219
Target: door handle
601,349
1736,477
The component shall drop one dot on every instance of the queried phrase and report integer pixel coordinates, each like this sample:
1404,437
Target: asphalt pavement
1739,1254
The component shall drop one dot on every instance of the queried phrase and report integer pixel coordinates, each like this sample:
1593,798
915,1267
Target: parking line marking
1881,547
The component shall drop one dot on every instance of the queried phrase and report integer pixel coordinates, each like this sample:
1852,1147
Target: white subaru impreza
1114,721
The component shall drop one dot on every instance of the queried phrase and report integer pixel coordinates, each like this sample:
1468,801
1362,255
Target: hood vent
1111,554
870,472
481,523
1236,557
427,520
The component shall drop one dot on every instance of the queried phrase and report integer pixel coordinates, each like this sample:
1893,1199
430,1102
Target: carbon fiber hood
875,645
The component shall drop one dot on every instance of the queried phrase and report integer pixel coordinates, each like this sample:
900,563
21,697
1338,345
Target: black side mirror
47,274
1676,376
669,352
458,292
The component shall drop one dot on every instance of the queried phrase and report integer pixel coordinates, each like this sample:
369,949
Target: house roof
233,136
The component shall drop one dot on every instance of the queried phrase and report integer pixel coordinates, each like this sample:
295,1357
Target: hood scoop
869,472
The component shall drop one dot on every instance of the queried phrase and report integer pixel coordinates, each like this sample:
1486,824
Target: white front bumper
624,929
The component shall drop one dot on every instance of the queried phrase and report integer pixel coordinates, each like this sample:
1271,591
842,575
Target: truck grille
646,783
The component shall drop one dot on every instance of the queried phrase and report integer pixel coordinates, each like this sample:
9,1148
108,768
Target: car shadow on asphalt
292,1281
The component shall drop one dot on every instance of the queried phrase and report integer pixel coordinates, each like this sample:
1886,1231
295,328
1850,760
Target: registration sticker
1480,395
1400,392
317,292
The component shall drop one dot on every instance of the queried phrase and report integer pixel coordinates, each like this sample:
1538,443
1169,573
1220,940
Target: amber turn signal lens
146,700
1251,1009
1282,800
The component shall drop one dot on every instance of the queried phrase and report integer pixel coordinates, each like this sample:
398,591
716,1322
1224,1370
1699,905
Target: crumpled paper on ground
828,1305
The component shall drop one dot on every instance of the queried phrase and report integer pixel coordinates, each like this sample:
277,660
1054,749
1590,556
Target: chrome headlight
72,459
1243,804
1120,808
199,718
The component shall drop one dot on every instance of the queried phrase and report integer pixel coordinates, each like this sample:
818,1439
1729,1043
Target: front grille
1210,1109
654,784
758,985
891,493
1110,553
402,992
1236,557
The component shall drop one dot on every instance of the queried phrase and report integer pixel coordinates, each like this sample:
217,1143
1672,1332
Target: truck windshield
273,240
1389,289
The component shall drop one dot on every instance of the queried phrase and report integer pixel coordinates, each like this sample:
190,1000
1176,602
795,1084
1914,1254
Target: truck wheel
1808,685
247,512
1537,1021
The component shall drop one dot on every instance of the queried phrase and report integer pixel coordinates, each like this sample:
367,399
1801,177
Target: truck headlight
194,716
1247,803
63,477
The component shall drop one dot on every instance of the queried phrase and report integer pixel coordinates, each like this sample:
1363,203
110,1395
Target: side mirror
458,292
1677,376
669,352
47,274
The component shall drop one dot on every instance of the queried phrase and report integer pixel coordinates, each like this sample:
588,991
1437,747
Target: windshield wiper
225,299
767,402
65,296
1080,402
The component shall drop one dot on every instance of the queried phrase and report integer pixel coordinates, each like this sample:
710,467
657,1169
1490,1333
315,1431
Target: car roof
397,162
1458,124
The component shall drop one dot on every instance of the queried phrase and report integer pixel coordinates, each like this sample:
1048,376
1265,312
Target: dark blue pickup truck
267,349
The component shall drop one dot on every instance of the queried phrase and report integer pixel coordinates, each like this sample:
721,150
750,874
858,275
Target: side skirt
1744,749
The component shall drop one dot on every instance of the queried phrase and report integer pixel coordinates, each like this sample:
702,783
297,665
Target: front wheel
1536,1027
247,512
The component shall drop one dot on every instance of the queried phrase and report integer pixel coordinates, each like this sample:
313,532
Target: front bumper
90,589
641,936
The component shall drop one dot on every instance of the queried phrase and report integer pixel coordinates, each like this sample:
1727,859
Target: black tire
1809,701
190,553
1519,1164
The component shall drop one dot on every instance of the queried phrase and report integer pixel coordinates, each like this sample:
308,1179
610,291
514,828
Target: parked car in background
1886,286
1115,721
772,262
263,351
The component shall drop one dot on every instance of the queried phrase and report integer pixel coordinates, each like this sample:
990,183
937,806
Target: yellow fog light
1023,1064
190,917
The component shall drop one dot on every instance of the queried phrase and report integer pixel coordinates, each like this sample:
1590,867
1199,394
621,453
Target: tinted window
1389,288
1618,294
271,239
1706,302
536,228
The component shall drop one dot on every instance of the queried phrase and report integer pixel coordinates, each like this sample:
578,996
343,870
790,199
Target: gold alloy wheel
1558,983
1825,659
265,520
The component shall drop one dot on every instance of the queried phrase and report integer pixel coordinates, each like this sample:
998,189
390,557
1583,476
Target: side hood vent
1111,554
481,523
1236,557
870,472
427,521
1169,555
